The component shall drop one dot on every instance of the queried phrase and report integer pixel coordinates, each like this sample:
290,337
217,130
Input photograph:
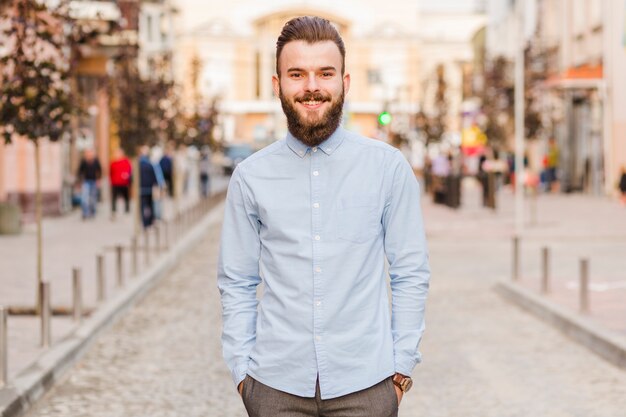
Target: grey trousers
263,401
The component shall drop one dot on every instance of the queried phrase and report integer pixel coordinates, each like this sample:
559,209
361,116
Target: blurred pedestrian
167,167
552,165
622,186
313,216
89,174
204,166
158,193
147,182
120,173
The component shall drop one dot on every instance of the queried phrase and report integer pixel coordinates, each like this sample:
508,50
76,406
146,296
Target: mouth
312,104
312,101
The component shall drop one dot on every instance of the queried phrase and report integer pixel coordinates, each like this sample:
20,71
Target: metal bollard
133,249
46,314
584,285
77,295
146,247
515,271
4,346
157,238
100,278
119,250
545,264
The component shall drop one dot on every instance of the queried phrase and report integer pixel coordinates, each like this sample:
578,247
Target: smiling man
313,217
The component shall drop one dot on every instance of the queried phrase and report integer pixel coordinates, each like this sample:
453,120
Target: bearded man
313,217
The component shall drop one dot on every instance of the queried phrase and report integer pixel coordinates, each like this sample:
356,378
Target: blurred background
432,77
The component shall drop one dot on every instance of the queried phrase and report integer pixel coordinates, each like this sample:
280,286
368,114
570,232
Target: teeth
312,103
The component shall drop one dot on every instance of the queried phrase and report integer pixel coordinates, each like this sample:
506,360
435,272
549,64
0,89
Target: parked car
233,155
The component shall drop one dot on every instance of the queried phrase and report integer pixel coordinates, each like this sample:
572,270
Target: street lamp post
519,122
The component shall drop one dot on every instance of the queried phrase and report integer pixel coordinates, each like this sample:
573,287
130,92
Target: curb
41,375
602,342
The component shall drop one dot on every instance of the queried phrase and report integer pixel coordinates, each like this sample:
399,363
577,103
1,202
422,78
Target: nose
311,83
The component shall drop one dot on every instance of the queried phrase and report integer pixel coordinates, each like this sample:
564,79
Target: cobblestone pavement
482,356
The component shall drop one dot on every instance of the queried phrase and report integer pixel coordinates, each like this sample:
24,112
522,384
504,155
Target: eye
327,74
295,75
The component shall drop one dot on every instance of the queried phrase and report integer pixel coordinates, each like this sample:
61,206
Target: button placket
318,241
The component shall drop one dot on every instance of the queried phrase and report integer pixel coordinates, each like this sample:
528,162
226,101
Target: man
89,174
552,165
149,177
120,172
167,168
312,216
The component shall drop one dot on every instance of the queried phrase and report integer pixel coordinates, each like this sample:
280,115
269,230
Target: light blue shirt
314,225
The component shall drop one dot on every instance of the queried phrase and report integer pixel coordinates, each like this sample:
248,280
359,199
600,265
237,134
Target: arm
238,277
405,247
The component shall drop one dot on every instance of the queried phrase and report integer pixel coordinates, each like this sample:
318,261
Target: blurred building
108,26
391,51
577,57
446,29
59,160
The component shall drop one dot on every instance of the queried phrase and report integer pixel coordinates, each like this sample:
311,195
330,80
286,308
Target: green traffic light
384,118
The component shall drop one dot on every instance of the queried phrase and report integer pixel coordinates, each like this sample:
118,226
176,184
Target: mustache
317,96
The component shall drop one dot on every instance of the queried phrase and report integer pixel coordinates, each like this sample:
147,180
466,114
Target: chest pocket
358,219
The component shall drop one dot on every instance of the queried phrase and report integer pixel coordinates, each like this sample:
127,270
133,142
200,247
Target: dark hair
310,29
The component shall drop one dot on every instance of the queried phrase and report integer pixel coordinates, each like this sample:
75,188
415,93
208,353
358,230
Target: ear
346,83
276,85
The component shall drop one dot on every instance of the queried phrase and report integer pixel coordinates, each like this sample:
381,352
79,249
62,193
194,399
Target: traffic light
384,118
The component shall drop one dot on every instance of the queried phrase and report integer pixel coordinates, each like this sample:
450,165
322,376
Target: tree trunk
38,210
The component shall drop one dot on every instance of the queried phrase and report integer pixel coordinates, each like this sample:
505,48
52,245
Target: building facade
580,50
235,50
146,26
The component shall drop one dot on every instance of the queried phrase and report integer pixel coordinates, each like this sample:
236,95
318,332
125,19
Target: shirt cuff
406,366
239,373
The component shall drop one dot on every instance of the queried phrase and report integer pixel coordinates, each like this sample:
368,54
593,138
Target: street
482,356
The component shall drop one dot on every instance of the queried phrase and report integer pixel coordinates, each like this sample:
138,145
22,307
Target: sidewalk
68,242
572,226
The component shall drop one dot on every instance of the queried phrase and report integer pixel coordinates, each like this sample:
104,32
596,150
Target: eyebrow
295,69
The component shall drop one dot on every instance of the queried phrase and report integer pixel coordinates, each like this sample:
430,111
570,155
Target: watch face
408,383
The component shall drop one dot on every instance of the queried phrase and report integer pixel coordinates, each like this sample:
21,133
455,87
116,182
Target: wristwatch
403,382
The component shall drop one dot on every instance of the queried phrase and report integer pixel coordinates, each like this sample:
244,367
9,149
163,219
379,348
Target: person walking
147,181
89,174
167,168
552,165
313,217
120,173
204,166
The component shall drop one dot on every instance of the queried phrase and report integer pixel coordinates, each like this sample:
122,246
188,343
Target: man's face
311,89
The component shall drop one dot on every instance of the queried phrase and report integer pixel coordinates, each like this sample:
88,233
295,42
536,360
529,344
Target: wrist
403,382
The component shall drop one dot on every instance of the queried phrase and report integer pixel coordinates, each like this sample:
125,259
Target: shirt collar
328,146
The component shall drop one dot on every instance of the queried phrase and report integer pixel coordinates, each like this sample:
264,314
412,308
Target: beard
313,132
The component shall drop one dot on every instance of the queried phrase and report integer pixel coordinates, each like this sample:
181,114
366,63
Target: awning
583,76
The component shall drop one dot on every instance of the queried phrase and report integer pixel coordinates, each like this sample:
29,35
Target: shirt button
318,269
318,338
314,149
316,205
316,173
301,153
317,237
318,303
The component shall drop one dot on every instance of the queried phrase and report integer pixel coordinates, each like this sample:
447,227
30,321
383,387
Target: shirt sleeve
407,253
238,277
